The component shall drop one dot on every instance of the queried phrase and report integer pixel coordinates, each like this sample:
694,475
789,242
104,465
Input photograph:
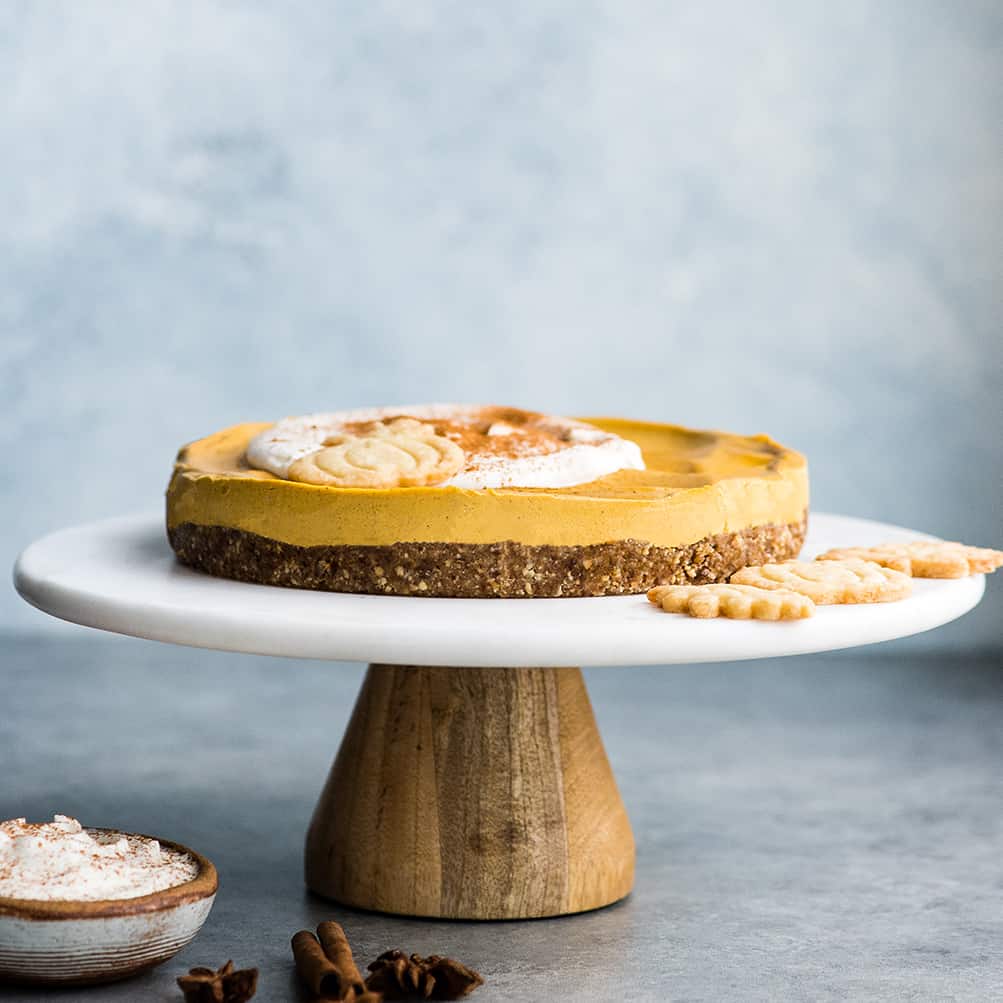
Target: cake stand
471,781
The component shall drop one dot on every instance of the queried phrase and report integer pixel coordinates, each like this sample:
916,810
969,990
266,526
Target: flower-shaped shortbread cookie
925,558
403,452
828,582
738,602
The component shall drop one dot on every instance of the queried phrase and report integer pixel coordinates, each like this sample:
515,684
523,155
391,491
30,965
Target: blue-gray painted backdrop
780,217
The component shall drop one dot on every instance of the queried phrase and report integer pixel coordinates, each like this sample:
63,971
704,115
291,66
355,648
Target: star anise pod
452,979
401,977
224,985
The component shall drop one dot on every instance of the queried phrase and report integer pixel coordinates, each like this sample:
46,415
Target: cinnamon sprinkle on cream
62,860
502,446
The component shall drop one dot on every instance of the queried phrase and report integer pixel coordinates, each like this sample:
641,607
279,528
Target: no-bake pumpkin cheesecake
451,500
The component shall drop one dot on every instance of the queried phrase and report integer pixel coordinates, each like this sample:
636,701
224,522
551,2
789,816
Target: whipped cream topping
503,447
63,860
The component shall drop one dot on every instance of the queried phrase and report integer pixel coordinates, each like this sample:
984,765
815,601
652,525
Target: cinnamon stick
329,976
339,952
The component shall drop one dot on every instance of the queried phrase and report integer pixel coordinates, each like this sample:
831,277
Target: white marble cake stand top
120,575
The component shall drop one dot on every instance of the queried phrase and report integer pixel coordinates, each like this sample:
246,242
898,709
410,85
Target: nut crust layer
482,570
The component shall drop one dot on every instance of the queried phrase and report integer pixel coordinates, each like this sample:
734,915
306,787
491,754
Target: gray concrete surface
824,828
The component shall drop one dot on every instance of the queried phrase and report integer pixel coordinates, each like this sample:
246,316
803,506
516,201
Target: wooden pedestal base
472,794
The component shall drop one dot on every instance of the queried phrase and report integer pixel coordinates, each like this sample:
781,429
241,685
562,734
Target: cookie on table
925,558
830,582
737,602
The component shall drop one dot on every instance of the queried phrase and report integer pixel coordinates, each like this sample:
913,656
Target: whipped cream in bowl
83,905
61,859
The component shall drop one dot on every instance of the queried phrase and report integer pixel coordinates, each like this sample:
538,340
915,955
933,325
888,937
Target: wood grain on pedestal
475,793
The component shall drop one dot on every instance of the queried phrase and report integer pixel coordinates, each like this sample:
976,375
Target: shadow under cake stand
471,781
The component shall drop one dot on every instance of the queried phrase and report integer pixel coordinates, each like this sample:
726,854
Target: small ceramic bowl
81,943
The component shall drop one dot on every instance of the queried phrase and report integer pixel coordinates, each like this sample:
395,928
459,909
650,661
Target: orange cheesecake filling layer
697,484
